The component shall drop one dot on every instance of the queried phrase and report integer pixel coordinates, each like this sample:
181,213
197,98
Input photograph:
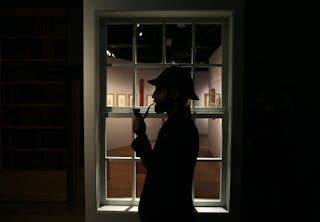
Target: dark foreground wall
281,69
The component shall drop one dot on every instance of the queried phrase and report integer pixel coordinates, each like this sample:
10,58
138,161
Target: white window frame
93,112
194,18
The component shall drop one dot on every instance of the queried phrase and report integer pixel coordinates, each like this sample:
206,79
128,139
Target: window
136,49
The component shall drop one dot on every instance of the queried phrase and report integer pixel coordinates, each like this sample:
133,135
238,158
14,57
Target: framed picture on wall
149,100
110,99
130,99
121,100
206,99
212,96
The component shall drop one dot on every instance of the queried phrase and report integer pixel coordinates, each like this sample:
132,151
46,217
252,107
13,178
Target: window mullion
164,57
192,76
134,56
193,52
134,177
193,46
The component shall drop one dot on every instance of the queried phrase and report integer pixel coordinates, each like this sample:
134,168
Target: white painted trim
165,14
91,83
115,208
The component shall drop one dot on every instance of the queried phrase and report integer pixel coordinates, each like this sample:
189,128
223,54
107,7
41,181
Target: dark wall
70,71
279,161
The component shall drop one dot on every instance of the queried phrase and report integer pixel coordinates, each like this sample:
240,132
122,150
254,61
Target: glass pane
118,137
144,90
208,85
149,43
119,86
141,175
210,134
207,180
119,178
208,44
178,43
119,43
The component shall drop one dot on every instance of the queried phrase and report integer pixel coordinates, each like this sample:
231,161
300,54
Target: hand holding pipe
139,126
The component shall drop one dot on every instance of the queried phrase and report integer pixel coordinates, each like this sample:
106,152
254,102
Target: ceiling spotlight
138,25
110,54
140,34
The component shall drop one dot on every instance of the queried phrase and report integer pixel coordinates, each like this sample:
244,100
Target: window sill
114,208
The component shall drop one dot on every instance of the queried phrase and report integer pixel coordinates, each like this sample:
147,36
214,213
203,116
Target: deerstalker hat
176,77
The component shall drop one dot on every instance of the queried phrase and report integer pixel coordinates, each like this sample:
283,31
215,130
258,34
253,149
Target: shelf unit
34,135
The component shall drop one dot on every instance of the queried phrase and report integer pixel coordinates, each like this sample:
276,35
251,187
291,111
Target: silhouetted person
167,191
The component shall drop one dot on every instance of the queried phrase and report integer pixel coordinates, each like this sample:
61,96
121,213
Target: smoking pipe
137,113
